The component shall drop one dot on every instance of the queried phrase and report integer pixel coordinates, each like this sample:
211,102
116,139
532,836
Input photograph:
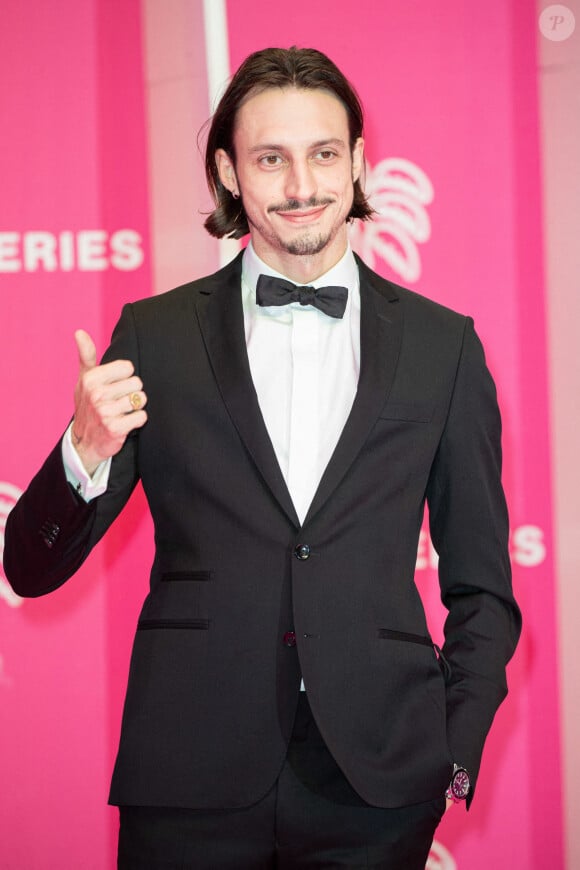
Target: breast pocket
410,412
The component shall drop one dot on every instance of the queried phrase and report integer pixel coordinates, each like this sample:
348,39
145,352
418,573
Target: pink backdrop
451,95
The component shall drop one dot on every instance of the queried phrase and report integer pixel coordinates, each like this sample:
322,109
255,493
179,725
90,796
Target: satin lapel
221,320
381,331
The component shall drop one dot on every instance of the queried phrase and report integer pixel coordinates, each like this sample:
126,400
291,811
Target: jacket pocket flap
410,412
185,576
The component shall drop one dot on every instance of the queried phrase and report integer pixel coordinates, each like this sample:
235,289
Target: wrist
90,464
460,785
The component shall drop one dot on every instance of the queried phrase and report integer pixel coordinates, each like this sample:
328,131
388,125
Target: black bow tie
277,291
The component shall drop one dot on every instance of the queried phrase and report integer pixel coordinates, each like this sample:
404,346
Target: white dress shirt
305,367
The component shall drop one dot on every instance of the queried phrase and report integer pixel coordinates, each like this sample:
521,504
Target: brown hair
273,68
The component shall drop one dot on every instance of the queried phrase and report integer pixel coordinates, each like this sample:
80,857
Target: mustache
298,205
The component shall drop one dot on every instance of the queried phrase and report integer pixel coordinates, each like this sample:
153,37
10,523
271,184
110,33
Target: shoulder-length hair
273,68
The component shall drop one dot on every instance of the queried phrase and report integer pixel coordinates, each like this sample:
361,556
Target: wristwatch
459,786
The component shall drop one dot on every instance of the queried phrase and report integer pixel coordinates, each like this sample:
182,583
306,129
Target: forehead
290,116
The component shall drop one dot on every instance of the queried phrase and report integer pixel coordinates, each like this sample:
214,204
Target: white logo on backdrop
70,250
399,191
440,858
9,495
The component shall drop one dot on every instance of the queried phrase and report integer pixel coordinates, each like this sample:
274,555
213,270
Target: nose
301,181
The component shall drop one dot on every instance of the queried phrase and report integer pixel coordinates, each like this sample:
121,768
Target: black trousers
311,818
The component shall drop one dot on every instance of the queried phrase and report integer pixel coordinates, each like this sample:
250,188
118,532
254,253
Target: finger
111,380
112,410
122,389
115,428
128,422
87,350
138,419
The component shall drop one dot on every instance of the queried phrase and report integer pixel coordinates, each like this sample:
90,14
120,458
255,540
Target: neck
298,268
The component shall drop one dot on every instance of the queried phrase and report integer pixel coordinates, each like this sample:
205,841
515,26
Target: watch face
460,784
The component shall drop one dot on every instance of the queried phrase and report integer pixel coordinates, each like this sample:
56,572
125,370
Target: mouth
301,216
297,212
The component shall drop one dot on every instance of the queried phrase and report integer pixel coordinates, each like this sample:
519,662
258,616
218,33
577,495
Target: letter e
9,261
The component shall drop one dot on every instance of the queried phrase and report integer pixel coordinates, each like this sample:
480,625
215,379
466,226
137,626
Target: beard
306,246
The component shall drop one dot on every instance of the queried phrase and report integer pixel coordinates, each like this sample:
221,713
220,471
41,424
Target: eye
270,160
325,155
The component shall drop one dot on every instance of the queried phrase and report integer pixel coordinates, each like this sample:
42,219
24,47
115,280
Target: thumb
87,350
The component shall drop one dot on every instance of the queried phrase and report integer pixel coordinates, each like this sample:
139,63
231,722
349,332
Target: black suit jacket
213,686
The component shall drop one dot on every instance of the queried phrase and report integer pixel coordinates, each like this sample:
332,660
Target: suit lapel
220,315
380,336
221,320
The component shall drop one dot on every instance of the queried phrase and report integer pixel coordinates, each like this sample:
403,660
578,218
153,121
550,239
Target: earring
235,194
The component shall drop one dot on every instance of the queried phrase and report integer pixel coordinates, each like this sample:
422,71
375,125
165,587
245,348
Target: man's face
295,172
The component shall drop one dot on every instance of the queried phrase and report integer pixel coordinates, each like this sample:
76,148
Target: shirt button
302,552
289,638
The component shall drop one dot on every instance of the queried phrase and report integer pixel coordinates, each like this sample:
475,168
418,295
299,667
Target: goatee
307,246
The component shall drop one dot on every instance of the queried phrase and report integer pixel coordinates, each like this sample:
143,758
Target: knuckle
85,381
95,395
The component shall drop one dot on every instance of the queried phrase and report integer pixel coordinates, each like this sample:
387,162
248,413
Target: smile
300,217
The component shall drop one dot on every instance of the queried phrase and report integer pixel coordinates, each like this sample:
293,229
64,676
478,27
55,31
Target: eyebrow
272,146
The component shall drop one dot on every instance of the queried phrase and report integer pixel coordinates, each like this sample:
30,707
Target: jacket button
289,638
302,552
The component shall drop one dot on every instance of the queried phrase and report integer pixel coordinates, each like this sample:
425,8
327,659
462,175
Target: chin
307,247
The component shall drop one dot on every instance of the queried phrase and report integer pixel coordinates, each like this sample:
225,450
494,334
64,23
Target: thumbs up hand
109,401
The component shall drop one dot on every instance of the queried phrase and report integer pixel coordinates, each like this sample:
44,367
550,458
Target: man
288,417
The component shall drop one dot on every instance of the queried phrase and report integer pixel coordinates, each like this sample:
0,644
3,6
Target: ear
357,158
226,171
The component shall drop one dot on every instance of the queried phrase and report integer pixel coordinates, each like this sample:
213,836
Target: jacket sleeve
469,529
51,530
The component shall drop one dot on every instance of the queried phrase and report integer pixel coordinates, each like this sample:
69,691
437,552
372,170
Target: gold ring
135,400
